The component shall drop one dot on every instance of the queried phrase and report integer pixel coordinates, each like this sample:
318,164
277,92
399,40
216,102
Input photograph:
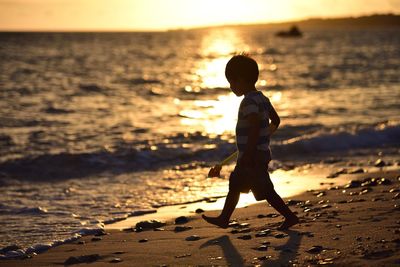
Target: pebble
280,235
181,220
244,237
199,211
353,184
360,170
182,228
82,259
262,248
143,240
379,163
384,181
315,249
149,224
243,225
263,233
192,238
264,258
183,256
116,260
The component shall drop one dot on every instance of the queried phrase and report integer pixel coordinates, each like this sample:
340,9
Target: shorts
255,178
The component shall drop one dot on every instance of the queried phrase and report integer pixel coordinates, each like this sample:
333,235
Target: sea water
95,127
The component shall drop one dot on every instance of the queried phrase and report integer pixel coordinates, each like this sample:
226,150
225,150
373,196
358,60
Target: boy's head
241,71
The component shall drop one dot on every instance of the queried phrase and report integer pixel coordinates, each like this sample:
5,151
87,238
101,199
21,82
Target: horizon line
142,30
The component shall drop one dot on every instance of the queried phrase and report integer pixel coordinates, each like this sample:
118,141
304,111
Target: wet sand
356,224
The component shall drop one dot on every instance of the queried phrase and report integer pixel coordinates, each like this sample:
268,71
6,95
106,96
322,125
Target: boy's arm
274,117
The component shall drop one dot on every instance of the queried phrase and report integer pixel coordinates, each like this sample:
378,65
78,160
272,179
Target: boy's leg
230,204
277,203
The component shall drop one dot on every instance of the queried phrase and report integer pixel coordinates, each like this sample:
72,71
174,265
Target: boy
252,138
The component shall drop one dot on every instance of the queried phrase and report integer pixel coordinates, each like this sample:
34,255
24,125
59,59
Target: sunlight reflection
217,47
213,116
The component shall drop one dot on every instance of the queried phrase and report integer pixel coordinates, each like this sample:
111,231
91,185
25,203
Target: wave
341,140
194,148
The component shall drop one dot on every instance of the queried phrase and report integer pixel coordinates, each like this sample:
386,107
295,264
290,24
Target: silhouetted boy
253,130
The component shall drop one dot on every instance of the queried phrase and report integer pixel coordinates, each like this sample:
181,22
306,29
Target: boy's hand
215,171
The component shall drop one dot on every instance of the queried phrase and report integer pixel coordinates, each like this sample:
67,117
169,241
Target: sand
357,226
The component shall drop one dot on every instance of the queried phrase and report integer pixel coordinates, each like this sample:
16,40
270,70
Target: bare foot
216,221
289,222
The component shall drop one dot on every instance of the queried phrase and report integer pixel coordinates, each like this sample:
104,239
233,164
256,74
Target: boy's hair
242,66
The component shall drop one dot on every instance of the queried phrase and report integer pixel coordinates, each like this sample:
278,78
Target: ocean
95,127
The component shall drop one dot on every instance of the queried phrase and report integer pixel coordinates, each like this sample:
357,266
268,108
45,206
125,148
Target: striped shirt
253,102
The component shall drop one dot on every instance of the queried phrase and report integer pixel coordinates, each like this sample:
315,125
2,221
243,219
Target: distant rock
292,32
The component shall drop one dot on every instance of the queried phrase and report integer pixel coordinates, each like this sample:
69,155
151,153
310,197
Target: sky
172,14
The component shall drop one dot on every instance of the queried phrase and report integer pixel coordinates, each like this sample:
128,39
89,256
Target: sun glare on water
215,116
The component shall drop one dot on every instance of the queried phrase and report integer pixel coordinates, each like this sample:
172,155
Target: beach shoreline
362,230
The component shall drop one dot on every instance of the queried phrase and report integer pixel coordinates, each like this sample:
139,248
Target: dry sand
358,226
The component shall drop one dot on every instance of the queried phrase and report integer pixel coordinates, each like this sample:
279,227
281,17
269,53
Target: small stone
183,256
243,225
245,237
262,248
292,202
119,252
263,233
181,220
192,238
335,238
353,184
315,249
280,235
384,181
272,215
359,170
199,211
144,240
397,196
338,226
379,163
182,228
264,258
82,259
116,260
150,224
159,229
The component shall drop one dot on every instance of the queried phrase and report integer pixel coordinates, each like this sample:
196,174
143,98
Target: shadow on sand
288,251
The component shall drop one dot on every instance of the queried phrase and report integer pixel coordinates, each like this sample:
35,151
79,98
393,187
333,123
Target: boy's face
236,86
